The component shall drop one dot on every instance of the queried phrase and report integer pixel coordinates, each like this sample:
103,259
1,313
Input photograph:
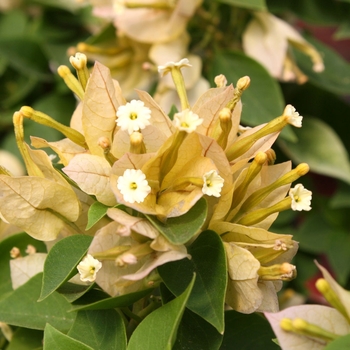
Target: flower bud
71,81
79,62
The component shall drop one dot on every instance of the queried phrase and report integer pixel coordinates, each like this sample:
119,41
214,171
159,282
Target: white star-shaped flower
294,118
301,198
133,186
88,268
133,116
187,121
169,65
213,183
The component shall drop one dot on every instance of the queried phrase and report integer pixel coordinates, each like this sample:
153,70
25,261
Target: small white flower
187,121
133,186
213,183
133,116
169,65
301,198
294,118
88,268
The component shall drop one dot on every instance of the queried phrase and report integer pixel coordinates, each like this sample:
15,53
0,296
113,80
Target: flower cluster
148,170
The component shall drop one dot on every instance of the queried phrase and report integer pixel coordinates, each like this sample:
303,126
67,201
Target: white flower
88,268
213,183
187,121
169,65
301,198
133,116
294,118
133,186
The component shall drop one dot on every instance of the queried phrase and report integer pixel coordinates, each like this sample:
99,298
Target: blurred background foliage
35,37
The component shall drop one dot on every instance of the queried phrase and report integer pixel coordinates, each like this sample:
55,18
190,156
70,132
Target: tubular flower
301,198
133,116
88,268
133,186
213,183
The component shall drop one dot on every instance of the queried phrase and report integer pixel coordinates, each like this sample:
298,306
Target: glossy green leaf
110,303
181,229
342,343
196,334
158,330
246,332
96,212
20,241
335,77
321,148
21,308
26,339
263,100
257,5
61,262
54,339
208,261
100,329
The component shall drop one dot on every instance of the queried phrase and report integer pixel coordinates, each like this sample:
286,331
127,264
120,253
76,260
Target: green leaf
321,148
341,199
343,31
33,62
22,309
26,339
21,241
263,100
73,291
54,339
181,229
100,329
196,334
209,263
246,332
173,110
96,212
103,36
110,303
158,330
61,262
13,24
337,70
342,343
257,5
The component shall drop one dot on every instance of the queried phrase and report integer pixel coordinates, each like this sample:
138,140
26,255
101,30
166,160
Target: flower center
297,198
208,182
184,125
92,270
133,186
133,116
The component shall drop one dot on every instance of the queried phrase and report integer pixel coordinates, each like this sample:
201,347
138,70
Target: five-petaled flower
213,183
294,118
133,186
88,268
187,121
301,198
133,116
